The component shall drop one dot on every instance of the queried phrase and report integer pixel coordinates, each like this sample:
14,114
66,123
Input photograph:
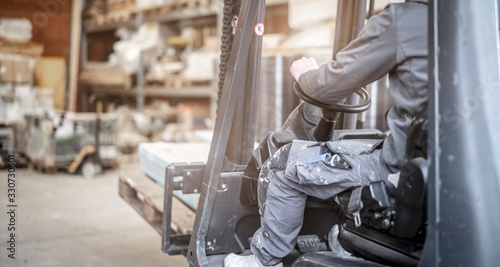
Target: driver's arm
364,60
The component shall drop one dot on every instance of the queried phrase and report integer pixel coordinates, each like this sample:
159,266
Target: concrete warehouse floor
66,220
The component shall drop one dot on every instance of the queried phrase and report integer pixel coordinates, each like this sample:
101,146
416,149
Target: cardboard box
7,72
49,73
18,71
23,72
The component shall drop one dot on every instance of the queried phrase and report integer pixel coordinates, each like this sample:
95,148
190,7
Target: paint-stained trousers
293,173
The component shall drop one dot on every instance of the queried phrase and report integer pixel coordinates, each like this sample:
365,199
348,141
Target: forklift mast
234,132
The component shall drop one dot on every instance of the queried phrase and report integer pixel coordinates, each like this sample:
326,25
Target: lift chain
225,46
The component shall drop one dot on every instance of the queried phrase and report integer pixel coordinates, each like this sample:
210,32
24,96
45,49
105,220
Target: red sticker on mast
259,29
234,24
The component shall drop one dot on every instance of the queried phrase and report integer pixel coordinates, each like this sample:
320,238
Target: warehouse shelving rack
189,15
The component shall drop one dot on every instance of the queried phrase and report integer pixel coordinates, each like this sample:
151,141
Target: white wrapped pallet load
16,30
155,157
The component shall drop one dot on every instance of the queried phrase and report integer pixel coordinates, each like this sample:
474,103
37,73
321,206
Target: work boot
233,260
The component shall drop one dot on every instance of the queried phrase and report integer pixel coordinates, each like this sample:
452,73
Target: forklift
444,211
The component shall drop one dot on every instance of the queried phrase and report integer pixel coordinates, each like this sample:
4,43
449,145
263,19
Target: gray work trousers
291,174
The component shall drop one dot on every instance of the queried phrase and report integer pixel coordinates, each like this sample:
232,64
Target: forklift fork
190,183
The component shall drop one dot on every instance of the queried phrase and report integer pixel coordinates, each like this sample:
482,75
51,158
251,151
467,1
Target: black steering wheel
364,104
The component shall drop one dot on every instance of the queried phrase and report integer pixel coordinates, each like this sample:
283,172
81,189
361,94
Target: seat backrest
409,205
411,193
416,142
411,200
398,239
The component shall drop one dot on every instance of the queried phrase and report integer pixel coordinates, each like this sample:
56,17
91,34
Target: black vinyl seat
393,233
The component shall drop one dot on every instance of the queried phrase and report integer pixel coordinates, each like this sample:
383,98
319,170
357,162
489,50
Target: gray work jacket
394,42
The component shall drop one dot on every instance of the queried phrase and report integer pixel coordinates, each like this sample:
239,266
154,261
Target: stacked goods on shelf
18,58
16,69
103,73
155,157
201,60
200,67
173,47
164,6
50,73
167,62
120,65
155,7
99,12
94,9
18,101
189,59
195,3
153,4
28,49
18,55
120,8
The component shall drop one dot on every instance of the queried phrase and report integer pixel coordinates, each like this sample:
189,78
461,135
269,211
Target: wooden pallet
21,162
146,197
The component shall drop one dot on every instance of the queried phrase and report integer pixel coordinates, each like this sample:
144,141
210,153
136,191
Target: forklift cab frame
463,147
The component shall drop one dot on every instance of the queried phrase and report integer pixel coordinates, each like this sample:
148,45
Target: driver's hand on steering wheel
301,66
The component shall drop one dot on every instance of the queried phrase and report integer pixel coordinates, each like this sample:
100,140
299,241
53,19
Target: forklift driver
394,42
